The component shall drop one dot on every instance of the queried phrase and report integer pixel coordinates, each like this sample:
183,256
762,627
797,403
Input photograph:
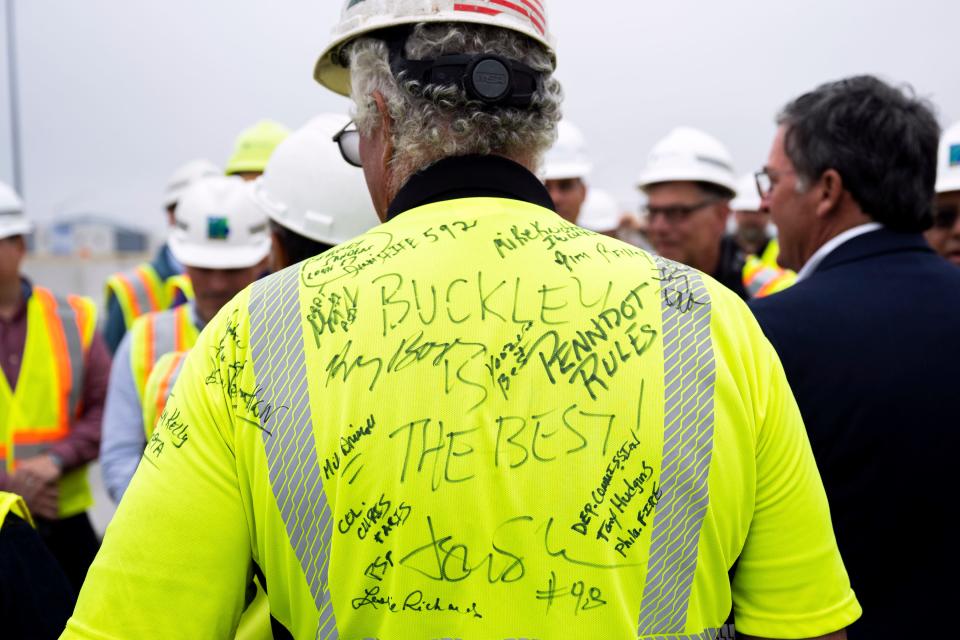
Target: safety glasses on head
348,139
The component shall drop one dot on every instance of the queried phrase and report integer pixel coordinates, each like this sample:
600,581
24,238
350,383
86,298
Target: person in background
314,201
53,379
600,213
253,147
944,235
221,237
565,170
762,276
867,337
751,229
689,182
159,284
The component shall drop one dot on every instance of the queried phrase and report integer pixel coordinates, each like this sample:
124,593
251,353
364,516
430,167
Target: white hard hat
360,17
309,189
184,176
219,225
748,199
567,158
13,222
600,211
948,163
689,155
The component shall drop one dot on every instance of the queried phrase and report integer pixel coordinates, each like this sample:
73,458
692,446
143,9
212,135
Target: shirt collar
472,176
831,245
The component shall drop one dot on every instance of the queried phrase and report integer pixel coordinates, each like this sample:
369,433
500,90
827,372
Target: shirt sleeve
83,443
790,581
176,559
123,433
115,327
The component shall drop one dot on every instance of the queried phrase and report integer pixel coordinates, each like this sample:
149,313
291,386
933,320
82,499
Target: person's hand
41,498
47,502
42,468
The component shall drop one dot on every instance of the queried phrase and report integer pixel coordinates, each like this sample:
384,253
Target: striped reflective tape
74,342
279,364
689,374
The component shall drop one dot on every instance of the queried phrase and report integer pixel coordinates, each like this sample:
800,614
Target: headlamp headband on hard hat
491,79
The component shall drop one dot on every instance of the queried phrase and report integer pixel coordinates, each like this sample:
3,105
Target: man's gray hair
438,121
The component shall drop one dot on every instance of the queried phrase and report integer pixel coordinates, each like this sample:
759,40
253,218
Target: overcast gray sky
115,94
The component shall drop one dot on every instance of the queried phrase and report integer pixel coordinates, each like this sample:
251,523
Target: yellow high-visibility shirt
477,421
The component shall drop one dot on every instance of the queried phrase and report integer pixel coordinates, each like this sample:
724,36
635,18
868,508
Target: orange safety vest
39,412
159,385
762,276
156,334
141,291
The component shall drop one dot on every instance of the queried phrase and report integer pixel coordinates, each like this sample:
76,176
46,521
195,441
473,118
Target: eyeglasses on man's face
767,179
676,213
348,140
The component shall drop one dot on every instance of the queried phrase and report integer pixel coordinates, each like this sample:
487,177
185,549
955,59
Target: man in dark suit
868,339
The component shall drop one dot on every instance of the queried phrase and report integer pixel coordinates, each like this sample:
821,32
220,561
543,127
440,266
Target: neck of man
708,261
11,293
752,245
847,218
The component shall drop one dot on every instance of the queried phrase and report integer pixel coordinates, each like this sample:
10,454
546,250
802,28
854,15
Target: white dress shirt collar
831,245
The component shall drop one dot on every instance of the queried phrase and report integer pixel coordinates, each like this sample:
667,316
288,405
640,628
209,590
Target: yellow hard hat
254,146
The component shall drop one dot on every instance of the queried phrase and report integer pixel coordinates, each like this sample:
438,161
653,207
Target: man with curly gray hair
412,123
476,420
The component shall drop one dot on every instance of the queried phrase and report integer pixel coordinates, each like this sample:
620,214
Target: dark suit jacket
871,347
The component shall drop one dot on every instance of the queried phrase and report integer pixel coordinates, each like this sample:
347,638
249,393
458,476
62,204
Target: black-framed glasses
767,179
677,212
348,139
945,216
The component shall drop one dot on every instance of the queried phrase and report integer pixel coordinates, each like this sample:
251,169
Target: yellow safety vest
179,285
141,291
159,384
762,276
11,502
155,334
39,412
477,421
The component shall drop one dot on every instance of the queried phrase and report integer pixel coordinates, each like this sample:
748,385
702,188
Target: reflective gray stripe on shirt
164,333
279,364
74,342
689,374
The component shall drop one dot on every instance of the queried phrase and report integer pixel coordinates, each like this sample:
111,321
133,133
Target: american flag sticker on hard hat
531,10
955,155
